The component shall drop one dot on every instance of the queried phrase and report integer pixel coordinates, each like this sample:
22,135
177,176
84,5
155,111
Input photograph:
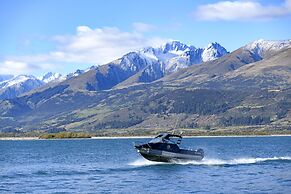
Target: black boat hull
166,156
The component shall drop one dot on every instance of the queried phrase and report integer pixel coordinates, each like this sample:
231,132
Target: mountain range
146,65
154,87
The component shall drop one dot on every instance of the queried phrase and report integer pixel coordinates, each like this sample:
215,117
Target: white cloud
15,67
241,10
100,45
86,46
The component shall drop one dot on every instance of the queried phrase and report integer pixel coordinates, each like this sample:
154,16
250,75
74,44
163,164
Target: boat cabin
167,142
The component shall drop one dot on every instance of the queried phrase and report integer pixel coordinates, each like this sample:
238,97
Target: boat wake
212,162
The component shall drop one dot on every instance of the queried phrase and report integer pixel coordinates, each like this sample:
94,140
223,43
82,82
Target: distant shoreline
19,138
140,137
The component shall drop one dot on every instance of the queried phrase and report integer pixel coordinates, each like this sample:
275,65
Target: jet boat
165,148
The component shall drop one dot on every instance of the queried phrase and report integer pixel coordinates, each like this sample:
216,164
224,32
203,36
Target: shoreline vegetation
65,135
146,133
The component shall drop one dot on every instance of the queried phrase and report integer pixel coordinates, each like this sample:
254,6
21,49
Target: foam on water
144,162
212,161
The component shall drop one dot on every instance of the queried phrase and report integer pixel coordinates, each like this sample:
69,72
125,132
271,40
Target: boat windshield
165,138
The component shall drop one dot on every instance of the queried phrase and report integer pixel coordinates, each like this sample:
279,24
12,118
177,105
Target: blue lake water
231,165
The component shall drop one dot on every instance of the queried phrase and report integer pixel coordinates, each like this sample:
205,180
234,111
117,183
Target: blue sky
64,35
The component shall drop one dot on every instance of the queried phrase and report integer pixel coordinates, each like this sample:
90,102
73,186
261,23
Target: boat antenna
176,124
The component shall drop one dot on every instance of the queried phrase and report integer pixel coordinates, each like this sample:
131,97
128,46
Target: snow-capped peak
176,55
213,51
18,80
18,85
214,45
174,46
50,76
261,46
166,51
